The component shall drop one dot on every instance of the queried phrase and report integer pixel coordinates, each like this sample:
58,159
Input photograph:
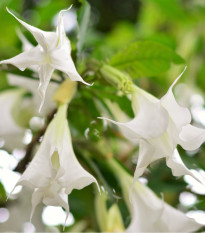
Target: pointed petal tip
178,77
9,11
42,96
91,84
106,119
3,62
69,7
112,121
31,215
98,186
88,84
41,106
9,195
66,218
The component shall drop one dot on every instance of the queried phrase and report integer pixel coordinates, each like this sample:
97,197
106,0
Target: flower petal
180,115
25,43
7,101
26,46
71,174
32,85
42,173
39,172
162,217
149,213
45,73
146,151
37,196
28,58
60,30
42,37
61,60
191,137
176,164
52,196
176,221
150,151
150,122
179,169
9,130
56,196
61,56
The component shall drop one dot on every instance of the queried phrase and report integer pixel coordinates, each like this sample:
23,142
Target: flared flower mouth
158,126
55,171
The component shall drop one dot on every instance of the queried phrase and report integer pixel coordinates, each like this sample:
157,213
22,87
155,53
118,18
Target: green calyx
117,78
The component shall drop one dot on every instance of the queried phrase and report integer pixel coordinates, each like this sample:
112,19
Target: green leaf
2,194
83,18
145,58
3,81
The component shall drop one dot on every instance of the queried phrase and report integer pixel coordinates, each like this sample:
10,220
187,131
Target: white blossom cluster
158,127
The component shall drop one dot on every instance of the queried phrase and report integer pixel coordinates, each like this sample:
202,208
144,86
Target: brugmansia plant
80,96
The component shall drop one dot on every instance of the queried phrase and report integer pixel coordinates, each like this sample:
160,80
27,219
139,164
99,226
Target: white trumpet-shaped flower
52,52
148,212
10,131
151,214
163,217
55,172
158,126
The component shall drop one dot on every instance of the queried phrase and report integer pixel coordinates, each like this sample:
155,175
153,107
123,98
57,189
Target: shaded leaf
2,194
145,58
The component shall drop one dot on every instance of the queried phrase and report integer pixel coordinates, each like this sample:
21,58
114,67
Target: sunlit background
177,23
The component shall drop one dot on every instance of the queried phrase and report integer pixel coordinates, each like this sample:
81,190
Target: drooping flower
148,212
54,171
10,131
159,126
52,52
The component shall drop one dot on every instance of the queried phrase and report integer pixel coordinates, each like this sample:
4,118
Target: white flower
55,172
148,212
160,125
52,52
31,86
10,131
